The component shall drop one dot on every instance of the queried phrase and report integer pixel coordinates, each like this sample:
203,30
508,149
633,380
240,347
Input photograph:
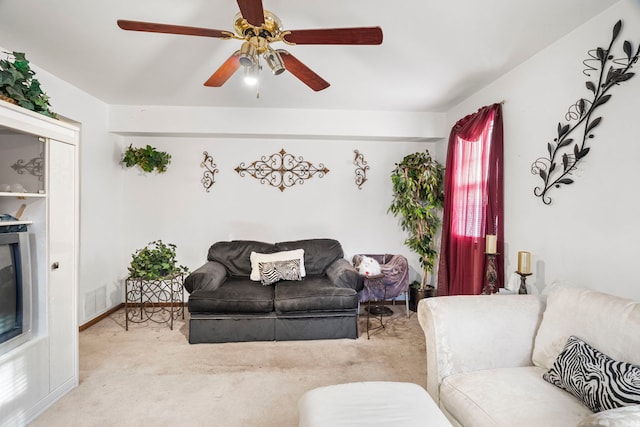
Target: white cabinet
47,365
63,328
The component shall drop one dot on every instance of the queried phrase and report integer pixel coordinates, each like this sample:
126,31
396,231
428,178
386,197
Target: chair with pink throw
395,282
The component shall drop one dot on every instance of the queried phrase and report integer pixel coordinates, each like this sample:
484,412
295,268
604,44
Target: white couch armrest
471,333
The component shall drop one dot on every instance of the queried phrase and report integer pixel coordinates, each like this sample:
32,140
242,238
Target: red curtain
473,203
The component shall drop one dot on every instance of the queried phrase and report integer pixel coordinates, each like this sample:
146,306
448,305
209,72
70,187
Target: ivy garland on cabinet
569,147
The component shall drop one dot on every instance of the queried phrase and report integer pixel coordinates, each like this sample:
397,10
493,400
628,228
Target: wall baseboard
97,319
112,310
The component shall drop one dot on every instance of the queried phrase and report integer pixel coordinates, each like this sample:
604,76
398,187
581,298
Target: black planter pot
415,295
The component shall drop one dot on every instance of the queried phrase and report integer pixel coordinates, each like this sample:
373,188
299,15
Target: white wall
589,235
175,207
122,209
101,257
586,237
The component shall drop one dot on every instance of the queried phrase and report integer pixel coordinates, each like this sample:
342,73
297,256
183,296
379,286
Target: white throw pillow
627,416
369,266
605,321
257,257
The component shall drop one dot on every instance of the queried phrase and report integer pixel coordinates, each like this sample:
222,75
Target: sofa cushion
275,271
255,258
235,255
509,397
314,293
599,381
628,416
318,253
602,320
234,296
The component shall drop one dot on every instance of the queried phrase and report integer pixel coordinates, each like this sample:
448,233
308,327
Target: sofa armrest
209,276
472,333
343,275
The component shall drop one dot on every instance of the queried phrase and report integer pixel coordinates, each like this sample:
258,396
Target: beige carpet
151,376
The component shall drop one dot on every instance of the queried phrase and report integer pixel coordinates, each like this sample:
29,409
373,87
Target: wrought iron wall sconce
209,175
361,169
569,147
33,167
282,170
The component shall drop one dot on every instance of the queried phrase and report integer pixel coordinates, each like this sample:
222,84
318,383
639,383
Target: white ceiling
434,53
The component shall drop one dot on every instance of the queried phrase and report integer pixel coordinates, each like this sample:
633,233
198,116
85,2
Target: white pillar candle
524,262
491,244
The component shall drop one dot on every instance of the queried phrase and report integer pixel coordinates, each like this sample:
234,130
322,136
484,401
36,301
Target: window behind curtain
470,184
473,202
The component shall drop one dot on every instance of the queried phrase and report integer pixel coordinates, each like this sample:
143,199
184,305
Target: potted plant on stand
153,290
418,197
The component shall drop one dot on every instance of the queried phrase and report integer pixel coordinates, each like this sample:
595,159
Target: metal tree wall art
209,175
282,170
569,147
361,168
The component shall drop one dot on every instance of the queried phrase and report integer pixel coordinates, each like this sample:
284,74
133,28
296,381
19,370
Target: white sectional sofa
487,354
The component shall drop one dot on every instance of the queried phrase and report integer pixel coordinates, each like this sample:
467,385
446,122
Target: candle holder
523,283
492,274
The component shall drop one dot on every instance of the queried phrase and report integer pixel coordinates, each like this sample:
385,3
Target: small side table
378,311
160,300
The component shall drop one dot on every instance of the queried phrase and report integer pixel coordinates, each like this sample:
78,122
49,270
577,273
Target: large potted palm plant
418,198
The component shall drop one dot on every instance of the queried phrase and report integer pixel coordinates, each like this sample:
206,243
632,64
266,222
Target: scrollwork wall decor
361,168
566,151
34,166
209,175
282,170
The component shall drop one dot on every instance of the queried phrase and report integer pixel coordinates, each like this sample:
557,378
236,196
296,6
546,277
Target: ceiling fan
259,28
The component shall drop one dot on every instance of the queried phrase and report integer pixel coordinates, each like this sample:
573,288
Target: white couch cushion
509,397
627,416
606,322
370,404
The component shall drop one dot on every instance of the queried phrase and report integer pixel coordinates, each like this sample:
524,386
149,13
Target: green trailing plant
418,197
155,261
148,158
18,83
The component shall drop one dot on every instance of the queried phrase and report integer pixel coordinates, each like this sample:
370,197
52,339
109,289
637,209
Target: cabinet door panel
63,330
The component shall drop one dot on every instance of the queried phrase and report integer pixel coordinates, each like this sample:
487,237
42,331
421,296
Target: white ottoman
370,404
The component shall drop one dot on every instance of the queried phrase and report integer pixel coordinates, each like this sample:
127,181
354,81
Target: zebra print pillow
274,271
593,377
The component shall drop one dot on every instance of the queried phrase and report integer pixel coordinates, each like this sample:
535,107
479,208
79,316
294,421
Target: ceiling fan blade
252,11
358,35
225,71
302,72
153,27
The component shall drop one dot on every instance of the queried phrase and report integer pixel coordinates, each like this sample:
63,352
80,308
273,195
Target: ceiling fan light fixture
251,75
247,56
274,60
